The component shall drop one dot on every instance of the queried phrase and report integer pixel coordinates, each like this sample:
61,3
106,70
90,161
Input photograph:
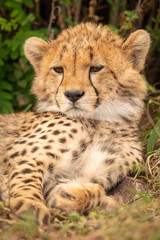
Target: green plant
116,5
129,17
15,72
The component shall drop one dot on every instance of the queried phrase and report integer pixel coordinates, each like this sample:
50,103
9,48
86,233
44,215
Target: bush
15,72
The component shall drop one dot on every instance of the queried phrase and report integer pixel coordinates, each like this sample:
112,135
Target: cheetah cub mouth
90,72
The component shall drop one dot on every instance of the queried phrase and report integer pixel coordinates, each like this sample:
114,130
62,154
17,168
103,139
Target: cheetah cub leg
25,191
77,197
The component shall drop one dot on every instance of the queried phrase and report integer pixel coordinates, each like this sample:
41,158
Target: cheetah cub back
84,137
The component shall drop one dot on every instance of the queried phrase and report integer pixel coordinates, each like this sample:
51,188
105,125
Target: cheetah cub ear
136,48
34,49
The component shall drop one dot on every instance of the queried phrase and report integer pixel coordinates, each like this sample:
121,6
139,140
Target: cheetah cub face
90,72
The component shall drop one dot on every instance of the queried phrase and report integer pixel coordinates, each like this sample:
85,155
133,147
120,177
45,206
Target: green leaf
113,28
22,83
18,74
6,86
12,4
14,13
5,107
5,95
128,26
1,62
155,135
14,54
3,20
28,3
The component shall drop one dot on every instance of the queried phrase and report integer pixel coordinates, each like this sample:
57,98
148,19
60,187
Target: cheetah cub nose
74,96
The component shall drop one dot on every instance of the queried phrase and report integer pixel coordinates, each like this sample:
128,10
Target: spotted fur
84,137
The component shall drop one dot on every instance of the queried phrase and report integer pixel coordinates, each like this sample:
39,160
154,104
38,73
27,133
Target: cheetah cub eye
58,69
94,69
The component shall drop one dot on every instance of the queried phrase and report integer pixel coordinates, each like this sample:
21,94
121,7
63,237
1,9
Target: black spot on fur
46,219
26,135
32,136
38,130
113,131
62,140
63,150
22,162
56,132
47,147
47,193
67,124
13,185
19,205
43,137
51,125
23,153
114,75
37,196
50,168
43,122
35,126
27,170
39,163
83,145
21,142
14,174
40,171
110,161
51,141
60,122
34,149
124,135
74,130
5,160
16,154
28,180
52,155
75,155
138,160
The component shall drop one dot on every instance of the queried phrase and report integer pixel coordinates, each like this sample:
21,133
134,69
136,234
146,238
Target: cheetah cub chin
83,139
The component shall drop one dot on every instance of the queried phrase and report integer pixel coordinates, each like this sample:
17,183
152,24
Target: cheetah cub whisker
84,138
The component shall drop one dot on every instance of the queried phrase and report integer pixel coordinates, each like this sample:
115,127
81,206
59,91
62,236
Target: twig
77,11
68,8
3,12
138,6
37,2
60,19
92,8
50,33
114,15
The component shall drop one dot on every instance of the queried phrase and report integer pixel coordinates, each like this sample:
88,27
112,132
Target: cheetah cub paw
76,197
20,206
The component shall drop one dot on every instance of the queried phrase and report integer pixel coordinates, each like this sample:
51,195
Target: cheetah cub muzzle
84,138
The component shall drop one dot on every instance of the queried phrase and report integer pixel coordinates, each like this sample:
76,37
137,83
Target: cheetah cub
83,139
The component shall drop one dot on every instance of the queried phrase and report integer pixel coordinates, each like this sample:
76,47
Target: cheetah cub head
90,72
